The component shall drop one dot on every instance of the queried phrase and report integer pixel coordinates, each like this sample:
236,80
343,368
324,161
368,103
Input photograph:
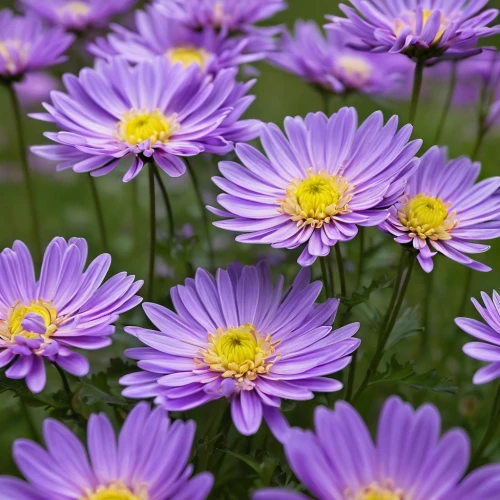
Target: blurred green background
65,209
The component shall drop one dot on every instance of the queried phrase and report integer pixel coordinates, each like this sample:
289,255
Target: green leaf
96,389
407,325
363,294
20,390
250,461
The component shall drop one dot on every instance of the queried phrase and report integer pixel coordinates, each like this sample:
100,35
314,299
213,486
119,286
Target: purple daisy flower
317,186
78,15
330,62
148,460
153,110
420,29
66,308
489,349
409,459
26,45
443,210
159,35
240,337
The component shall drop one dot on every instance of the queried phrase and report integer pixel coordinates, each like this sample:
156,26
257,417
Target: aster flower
332,65
27,45
78,15
147,461
407,460
443,210
66,308
240,337
159,35
420,29
317,186
150,111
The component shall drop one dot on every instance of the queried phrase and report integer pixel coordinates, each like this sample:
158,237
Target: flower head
407,460
420,29
147,461
26,45
317,186
66,308
151,111
240,337
332,65
78,15
443,210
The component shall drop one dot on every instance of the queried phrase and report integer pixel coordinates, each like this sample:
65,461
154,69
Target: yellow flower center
140,125
427,217
116,491
355,67
188,55
378,492
316,199
76,9
13,52
411,20
238,352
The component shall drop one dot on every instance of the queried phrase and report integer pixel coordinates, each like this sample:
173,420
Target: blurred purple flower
409,459
66,308
319,184
443,210
240,337
153,110
35,88
148,460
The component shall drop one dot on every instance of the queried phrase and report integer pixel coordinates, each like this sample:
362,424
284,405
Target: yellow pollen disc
116,491
377,492
316,199
140,125
355,67
411,20
13,52
427,217
188,56
238,352
75,8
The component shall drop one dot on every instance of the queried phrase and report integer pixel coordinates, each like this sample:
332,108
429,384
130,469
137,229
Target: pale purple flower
408,460
147,460
420,29
317,186
66,308
27,45
238,336
151,111
78,15
443,210
35,88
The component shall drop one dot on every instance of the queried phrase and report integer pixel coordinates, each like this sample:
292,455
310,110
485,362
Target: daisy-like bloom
151,111
147,461
159,35
443,210
78,15
332,65
408,460
317,186
240,337
420,29
66,308
26,45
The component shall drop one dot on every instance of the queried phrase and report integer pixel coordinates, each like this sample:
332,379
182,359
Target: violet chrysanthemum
488,332
240,337
332,65
78,15
409,459
420,29
151,111
147,461
26,45
158,35
317,186
66,308
443,210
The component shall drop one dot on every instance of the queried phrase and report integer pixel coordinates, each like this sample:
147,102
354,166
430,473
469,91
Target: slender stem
340,267
429,288
204,211
417,88
29,420
326,276
152,231
331,273
99,213
26,169
64,380
361,258
134,202
352,376
479,142
466,293
447,104
166,199
406,265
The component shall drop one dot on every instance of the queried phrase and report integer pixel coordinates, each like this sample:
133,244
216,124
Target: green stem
326,276
483,130
466,293
29,420
405,270
341,269
152,231
64,380
361,258
352,376
330,272
429,286
99,213
166,200
417,88
26,169
447,104
134,202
